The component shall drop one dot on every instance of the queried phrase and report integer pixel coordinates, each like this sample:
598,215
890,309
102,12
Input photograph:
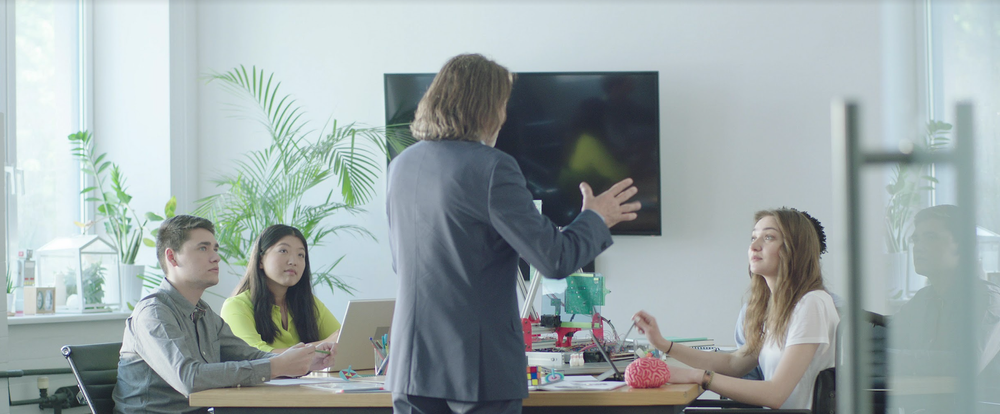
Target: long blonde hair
799,273
464,102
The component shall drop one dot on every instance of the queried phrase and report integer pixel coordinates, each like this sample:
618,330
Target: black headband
819,231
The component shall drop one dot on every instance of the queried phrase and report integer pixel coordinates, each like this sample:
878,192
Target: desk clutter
381,347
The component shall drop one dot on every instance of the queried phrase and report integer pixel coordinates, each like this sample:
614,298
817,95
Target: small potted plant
10,294
122,223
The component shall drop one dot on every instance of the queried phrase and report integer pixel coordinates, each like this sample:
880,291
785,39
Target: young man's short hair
175,231
947,214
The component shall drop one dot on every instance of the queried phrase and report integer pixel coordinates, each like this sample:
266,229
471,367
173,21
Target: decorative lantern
84,272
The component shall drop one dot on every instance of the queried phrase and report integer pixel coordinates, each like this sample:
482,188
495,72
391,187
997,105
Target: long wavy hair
464,101
299,298
799,273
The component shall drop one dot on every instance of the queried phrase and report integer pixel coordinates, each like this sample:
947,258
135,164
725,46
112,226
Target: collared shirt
172,348
925,336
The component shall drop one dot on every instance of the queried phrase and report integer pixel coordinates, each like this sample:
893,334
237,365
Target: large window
43,180
964,64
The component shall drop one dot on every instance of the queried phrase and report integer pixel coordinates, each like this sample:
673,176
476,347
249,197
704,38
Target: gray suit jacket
459,217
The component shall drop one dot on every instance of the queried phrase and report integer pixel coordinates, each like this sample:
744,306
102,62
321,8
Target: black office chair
878,334
96,370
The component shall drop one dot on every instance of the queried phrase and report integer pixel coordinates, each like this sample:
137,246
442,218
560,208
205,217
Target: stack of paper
349,387
579,383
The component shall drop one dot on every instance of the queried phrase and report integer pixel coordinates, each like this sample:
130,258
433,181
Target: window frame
13,176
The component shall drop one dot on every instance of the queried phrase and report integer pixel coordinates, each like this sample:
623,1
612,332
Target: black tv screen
564,128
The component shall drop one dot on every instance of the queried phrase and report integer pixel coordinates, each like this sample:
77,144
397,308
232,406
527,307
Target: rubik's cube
534,377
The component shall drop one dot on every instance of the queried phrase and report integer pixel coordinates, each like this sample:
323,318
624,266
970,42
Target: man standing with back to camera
459,217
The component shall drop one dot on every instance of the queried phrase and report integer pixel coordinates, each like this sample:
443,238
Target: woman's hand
646,324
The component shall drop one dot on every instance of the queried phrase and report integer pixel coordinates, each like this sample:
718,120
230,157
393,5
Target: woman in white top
790,323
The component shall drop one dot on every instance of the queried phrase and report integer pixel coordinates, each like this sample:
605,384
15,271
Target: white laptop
364,319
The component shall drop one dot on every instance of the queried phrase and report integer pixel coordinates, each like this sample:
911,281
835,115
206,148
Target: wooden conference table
287,399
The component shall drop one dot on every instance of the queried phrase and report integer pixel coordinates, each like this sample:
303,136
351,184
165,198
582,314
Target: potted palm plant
122,223
269,186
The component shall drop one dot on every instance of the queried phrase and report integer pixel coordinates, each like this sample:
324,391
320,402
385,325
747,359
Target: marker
322,351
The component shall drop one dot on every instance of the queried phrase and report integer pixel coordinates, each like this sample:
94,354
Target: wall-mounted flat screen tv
564,128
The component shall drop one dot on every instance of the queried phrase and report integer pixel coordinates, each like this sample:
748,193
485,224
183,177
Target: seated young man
925,329
175,345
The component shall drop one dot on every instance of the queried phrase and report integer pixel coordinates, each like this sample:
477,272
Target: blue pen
378,349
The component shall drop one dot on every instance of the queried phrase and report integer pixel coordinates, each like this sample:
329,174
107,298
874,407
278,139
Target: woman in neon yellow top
273,307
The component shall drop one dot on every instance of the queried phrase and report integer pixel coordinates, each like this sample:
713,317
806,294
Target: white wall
132,101
745,94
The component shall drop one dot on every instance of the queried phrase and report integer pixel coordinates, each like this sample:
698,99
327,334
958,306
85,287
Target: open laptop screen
364,319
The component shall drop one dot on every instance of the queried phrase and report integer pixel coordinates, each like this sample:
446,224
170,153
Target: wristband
669,348
705,383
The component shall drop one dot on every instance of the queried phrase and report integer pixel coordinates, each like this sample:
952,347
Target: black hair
299,299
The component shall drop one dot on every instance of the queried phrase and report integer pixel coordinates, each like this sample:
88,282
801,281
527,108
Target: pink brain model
647,372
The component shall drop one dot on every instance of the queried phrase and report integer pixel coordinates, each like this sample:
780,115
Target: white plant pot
11,302
131,284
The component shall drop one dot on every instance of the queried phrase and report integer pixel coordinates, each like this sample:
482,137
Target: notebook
364,319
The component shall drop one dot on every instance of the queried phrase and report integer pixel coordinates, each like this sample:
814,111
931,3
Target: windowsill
66,318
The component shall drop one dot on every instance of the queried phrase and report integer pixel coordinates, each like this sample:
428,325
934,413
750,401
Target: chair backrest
825,392
96,370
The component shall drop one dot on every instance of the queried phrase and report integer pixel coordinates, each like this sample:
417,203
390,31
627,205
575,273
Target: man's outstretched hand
611,204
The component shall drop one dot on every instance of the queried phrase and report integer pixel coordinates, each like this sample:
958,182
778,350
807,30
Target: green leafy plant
907,186
121,222
93,283
10,281
269,186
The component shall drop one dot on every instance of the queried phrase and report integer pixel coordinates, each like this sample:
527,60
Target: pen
378,349
322,351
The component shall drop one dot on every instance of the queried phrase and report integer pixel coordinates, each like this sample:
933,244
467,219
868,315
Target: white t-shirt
814,321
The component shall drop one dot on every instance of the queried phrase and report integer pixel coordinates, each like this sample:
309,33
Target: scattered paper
583,386
305,381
